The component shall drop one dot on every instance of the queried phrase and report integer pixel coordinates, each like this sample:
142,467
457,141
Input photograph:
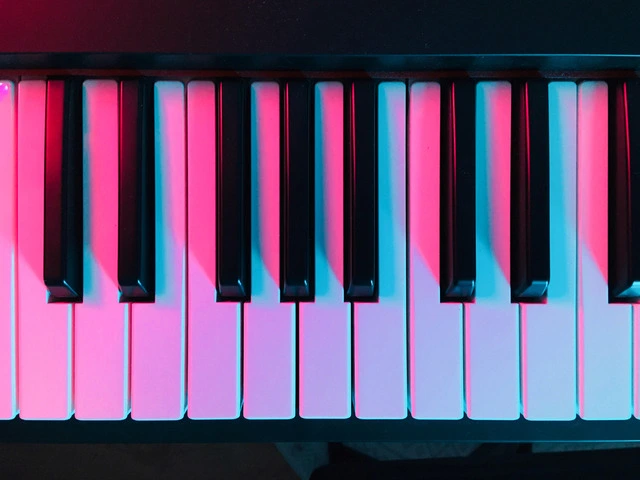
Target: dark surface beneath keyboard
139,462
316,461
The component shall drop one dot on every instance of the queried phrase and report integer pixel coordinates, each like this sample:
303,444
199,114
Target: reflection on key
380,355
63,191
492,358
296,244
136,242
435,329
361,225
233,191
458,155
530,191
214,327
325,324
624,196
158,329
101,328
604,330
8,166
44,342
269,326
548,331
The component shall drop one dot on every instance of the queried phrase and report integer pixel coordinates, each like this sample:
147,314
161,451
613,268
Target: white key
435,329
492,360
45,329
8,400
158,329
214,327
380,349
269,326
325,325
604,330
549,330
101,329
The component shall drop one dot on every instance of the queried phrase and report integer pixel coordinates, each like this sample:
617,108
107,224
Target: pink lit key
269,326
214,327
604,330
435,329
101,370
158,329
380,350
8,400
325,324
492,344
45,329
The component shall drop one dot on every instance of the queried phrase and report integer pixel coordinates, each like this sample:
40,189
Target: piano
299,220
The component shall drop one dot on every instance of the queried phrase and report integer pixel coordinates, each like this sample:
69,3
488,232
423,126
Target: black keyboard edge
347,430
560,63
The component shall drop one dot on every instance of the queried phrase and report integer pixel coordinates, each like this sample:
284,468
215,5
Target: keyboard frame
253,39
300,430
328,35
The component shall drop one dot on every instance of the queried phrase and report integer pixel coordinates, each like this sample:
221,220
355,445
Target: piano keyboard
320,250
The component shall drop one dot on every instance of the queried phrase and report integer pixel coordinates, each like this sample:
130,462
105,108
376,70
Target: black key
63,191
624,191
530,263
296,219
458,192
136,209
361,192
234,188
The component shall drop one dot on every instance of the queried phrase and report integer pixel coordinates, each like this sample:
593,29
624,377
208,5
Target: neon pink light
101,327
8,400
4,90
44,329
500,174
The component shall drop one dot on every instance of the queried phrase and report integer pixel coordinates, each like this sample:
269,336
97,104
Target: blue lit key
492,347
604,330
549,330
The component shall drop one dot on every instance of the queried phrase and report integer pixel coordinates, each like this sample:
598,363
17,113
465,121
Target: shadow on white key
492,358
158,329
604,330
325,324
380,349
45,329
214,327
101,328
435,329
8,165
549,330
269,326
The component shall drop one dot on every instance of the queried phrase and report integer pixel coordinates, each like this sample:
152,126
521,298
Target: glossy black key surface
63,191
361,191
233,191
458,191
530,263
296,186
624,191
136,210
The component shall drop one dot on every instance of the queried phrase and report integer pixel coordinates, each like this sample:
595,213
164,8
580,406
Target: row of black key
530,263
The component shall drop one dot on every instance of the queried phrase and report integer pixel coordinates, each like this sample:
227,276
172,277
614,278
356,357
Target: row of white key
188,353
